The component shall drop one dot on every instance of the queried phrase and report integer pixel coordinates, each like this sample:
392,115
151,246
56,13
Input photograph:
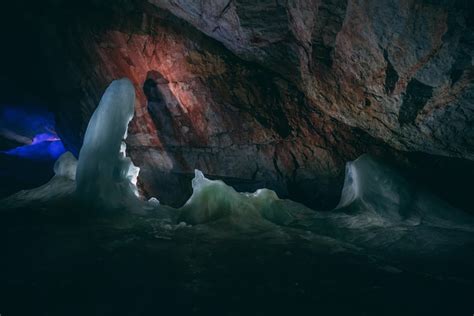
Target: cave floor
56,264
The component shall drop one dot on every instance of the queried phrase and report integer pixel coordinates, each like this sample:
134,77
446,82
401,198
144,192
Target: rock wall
401,71
276,94
398,70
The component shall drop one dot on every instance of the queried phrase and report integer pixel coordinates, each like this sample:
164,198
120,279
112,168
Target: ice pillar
105,176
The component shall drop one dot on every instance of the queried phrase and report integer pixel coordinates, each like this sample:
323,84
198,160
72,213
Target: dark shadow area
157,106
75,265
21,174
415,98
449,178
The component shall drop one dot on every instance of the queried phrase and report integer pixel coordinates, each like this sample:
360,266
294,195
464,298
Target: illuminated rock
327,81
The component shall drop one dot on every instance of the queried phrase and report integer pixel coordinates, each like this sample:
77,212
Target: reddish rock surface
270,94
398,70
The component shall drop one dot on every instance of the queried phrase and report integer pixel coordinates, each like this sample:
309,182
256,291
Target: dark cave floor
56,264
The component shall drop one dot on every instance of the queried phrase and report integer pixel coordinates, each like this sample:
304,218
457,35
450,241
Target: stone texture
212,111
398,70
276,94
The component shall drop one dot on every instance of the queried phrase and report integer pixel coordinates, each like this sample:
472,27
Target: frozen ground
92,247
67,260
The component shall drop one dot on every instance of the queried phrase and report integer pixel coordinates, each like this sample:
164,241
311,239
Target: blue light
26,120
35,124
50,137
45,150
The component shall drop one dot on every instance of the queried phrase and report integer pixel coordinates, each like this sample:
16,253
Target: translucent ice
377,191
213,199
105,176
376,194
66,166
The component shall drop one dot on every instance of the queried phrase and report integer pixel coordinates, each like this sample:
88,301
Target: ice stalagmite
376,194
105,177
379,192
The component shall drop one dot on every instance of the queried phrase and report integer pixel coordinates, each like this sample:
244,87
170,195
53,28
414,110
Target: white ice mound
66,166
105,176
60,187
372,187
213,199
376,194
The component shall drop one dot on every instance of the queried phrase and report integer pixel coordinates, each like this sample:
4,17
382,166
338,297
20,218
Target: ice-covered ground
374,195
378,207
383,222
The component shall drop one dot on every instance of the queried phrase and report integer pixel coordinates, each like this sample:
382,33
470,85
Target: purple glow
45,137
43,150
35,127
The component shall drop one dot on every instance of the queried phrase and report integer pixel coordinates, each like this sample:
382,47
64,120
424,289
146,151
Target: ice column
105,176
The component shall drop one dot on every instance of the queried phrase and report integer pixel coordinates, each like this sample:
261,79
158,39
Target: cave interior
237,157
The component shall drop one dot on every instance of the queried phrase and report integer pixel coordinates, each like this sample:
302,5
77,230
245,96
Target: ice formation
377,191
66,166
378,207
105,176
376,194
61,187
213,199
